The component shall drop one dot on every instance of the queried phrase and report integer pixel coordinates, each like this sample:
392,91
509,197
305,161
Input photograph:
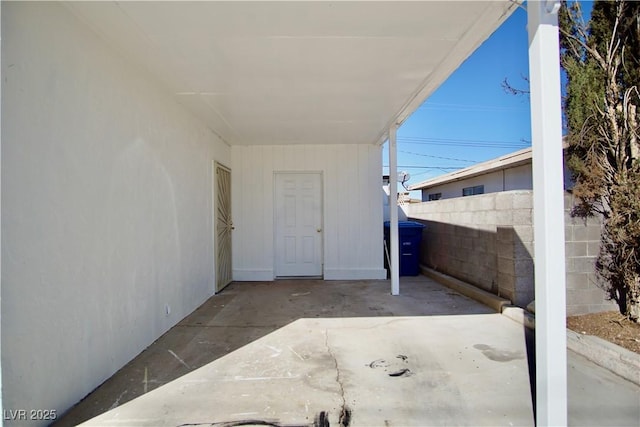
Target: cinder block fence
487,241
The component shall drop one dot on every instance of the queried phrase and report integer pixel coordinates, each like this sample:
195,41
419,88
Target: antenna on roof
403,177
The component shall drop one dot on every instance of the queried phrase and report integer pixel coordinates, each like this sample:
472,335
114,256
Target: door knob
319,230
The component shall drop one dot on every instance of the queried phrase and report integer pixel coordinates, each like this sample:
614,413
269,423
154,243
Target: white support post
1,388
1,407
548,205
393,211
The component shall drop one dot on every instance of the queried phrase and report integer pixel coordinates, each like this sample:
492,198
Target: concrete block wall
479,239
487,240
514,233
582,244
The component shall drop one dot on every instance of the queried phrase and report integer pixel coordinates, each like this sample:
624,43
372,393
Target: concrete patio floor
298,353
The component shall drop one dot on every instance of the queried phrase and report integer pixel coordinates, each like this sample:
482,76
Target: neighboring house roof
507,161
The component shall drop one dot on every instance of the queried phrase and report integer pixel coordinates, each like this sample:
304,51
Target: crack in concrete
117,402
344,304
345,413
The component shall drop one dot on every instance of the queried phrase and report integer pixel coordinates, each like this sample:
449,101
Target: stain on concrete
498,355
345,417
243,423
379,363
405,372
394,368
320,420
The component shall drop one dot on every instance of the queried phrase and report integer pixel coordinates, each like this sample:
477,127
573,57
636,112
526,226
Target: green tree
601,59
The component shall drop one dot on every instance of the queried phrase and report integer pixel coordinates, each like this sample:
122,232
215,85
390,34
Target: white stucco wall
386,213
352,218
517,178
106,208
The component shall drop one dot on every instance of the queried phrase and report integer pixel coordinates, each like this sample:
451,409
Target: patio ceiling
298,72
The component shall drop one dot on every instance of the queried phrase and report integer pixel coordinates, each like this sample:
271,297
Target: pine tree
601,60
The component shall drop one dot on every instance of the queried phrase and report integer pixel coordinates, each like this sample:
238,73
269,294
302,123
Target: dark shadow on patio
247,311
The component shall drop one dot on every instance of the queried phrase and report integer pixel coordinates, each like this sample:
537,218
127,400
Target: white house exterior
512,171
147,148
351,241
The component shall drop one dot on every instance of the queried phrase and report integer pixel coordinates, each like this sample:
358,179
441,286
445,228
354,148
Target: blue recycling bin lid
405,224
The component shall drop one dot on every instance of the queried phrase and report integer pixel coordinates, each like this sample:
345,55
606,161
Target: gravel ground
610,326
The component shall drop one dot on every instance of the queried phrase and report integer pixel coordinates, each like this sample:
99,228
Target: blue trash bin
409,238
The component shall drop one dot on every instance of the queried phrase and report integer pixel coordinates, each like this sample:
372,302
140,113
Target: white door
223,226
298,224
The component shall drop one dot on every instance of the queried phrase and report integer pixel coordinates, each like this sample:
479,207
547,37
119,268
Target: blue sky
470,118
